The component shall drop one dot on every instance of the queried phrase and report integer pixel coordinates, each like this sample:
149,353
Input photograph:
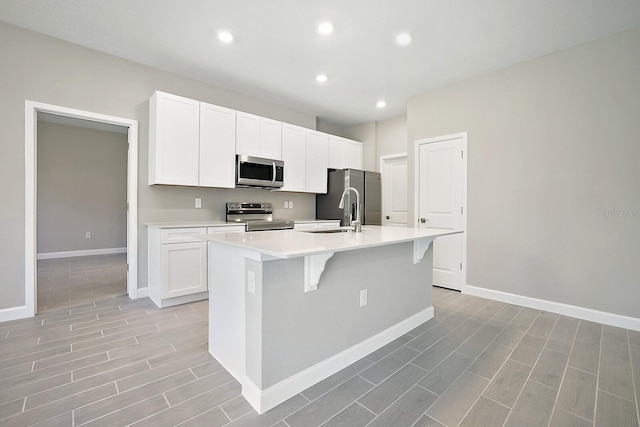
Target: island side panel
227,275
302,329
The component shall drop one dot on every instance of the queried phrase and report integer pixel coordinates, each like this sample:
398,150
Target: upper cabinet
194,143
294,152
174,139
217,146
258,136
190,142
317,162
305,153
344,153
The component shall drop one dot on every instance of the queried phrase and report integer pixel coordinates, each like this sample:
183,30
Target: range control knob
268,205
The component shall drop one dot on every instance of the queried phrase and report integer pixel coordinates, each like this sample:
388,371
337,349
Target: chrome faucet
357,225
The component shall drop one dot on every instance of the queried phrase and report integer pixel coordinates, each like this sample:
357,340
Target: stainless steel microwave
259,172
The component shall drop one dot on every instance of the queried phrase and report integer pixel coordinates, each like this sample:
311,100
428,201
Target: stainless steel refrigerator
367,183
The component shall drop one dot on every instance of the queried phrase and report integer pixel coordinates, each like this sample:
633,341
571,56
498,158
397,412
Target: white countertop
190,224
307,221
292,244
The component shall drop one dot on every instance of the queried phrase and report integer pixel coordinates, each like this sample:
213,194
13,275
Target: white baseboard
611,319
263,400
143,292
88,252
14,313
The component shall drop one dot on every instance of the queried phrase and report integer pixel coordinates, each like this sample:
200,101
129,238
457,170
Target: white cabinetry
258,136
217,146
353,154
317,162
344,153
190,143
294,155
177,265
173,139
305,154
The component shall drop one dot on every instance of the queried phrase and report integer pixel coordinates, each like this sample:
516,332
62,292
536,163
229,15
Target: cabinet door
248,134
217,146
270,139
174,134
294,142
184,269
336,152
353,154
317,161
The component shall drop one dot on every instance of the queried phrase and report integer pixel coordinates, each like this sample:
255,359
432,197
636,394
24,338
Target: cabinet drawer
182,235
231,229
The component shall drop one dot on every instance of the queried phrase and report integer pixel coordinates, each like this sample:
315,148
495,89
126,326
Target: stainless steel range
256,216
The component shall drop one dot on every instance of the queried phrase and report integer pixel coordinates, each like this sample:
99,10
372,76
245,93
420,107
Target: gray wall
301,329
43,69
391,137
82,186
554,206
380,138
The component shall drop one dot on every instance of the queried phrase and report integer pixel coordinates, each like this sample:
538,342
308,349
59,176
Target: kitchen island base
277,340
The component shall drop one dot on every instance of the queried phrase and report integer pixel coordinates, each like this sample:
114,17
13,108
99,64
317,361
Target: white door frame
383,160
416,187
30,142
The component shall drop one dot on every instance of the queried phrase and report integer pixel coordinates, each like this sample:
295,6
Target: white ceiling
277,50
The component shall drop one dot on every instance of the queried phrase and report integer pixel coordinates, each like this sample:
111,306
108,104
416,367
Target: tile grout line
635,390
399,397
503,363
515,402
476,358
564,373
595,404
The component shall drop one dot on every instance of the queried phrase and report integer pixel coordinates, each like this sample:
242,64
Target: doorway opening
81,211
121,260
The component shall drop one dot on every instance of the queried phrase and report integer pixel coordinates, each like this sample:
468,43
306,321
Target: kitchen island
288,308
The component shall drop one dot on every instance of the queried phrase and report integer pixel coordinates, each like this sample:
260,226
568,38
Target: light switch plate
286,205
363,297
290,204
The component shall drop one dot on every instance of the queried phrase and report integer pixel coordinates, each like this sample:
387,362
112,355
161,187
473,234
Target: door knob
388,217
423,220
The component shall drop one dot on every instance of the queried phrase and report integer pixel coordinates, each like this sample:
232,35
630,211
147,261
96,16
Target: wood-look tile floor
65,282
117,362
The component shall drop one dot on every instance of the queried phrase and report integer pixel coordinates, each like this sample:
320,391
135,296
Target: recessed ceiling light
321,78
381,104
403,39
225,37
325,28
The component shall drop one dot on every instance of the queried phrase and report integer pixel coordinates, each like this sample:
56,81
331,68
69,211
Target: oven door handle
273,179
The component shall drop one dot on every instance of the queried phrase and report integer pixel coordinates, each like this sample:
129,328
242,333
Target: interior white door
394,191
441,194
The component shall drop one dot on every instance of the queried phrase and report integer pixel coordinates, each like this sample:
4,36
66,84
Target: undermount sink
332,230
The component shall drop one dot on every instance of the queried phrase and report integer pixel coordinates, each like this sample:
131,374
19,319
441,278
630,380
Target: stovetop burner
256,216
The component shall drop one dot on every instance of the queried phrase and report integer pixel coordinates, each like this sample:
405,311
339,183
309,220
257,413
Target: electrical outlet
290,204
87,235
251,282
286,205
363,297
198,202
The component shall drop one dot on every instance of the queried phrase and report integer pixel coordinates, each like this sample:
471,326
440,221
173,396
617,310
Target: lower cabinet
177,269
